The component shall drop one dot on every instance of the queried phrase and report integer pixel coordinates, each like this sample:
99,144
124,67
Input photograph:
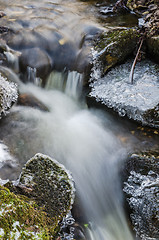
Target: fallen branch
134,63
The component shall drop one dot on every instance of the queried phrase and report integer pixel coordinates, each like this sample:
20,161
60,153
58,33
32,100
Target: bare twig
134,63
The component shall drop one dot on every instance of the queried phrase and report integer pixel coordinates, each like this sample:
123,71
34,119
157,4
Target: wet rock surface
36,59
142,193
29,100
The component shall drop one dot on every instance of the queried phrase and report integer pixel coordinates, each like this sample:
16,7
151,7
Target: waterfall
69,82
85,143
74,84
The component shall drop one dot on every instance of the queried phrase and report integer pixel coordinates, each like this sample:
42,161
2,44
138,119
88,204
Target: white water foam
4,154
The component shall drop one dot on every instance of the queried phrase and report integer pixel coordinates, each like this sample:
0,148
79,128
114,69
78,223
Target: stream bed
92,143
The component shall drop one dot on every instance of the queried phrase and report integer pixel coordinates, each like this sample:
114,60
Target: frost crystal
143,198
8,94
115,91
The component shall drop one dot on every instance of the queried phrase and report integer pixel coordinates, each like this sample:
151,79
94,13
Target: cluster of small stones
149,10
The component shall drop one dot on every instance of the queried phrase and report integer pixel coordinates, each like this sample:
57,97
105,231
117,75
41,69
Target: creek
91,143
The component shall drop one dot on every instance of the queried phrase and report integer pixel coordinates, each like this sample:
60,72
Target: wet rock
38,59
151,116
9,75
148,10
142,187
50,183
4,30
153,47
115,46
2,14
9,57
21,218
79,233
8,92
29,100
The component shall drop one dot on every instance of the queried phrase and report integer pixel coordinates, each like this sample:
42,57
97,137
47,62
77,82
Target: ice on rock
143,197
115,91
8,94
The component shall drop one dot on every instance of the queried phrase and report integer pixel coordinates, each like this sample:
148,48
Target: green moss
116,46
19,216
51,184
153,47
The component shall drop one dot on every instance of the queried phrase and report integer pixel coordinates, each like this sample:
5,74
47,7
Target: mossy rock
49,183
153,47
116,45
21,218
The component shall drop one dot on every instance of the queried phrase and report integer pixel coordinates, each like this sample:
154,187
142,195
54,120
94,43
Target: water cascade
77,137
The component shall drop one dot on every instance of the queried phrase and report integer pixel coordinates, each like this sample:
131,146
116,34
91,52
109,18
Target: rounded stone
37,59
51,185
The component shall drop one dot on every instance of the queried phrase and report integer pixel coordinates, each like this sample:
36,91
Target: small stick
134,63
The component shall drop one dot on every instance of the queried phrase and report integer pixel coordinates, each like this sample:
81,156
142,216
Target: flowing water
76,137
85,141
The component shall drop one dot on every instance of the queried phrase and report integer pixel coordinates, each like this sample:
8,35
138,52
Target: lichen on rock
111,44
50,184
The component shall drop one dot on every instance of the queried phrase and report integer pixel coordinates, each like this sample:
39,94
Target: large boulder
37,59
141,188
